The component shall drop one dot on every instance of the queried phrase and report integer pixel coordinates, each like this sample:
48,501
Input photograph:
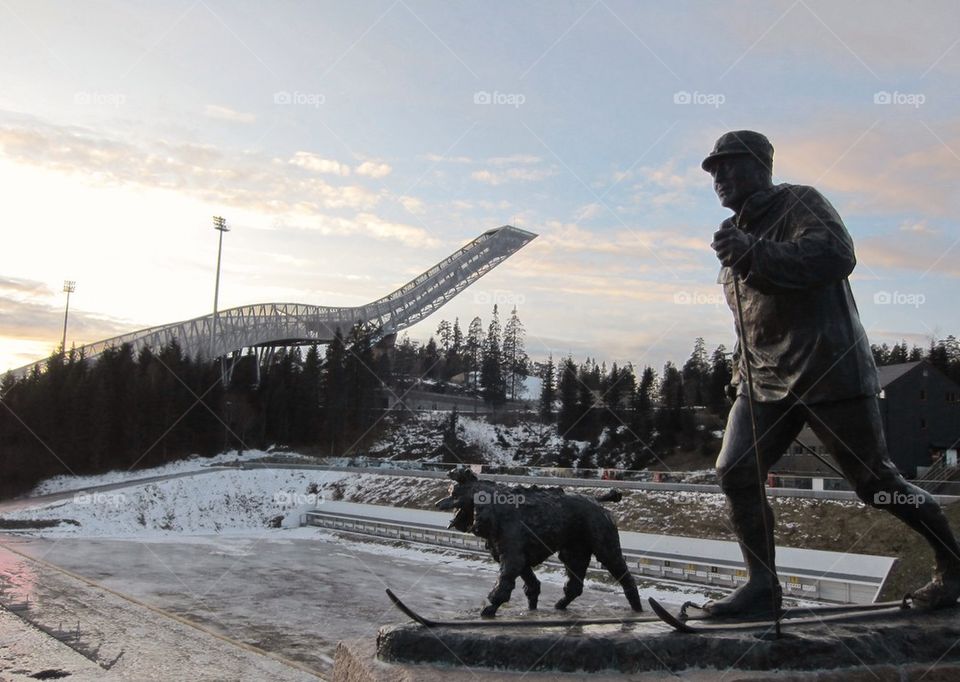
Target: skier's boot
943,590
761,596
758,598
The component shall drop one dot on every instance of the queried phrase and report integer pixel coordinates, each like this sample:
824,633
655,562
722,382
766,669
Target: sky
352,145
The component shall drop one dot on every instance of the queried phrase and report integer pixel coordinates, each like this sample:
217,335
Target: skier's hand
733,246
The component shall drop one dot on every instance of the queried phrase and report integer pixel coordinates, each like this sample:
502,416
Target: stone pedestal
902,646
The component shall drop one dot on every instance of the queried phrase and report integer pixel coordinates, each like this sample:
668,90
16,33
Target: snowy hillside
422,437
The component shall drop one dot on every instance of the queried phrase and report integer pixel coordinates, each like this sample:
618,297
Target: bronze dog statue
523,526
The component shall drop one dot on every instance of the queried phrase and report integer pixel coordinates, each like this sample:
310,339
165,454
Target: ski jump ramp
288,324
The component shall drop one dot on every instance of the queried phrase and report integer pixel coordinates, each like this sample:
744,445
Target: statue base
895,648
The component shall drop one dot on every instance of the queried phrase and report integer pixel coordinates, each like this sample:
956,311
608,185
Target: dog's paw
488,611
561,605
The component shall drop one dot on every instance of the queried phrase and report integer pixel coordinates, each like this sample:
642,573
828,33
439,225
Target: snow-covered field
59,484
213,502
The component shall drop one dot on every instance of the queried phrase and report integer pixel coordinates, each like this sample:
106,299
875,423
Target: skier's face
737,177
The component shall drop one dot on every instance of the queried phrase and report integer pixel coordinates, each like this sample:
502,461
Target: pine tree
456,337
695,372
916,354
548,390
588,386
445,334
493,385
474,349
898,353
453,357
721,372
880,354
362,384
334,393
516,361
670,415
567,387
431,360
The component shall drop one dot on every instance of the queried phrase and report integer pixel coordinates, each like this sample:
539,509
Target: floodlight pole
69,286
219,224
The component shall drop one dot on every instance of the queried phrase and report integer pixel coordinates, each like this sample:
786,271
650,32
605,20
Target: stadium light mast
219,224
69,286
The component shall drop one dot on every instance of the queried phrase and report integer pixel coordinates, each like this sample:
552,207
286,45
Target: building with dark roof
920,408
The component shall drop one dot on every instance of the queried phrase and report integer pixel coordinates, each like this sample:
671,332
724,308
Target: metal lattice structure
287,324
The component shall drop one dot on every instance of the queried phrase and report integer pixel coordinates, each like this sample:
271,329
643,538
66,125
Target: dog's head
463,498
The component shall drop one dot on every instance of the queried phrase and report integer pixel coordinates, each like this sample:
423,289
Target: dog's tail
612,495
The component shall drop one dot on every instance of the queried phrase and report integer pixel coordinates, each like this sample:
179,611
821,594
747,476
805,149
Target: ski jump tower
291,324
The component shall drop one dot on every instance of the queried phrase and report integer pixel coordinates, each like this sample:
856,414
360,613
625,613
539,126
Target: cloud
589,211
363,224
923,253
225,114
312,162
437,158
667,185
918,227
30,312
240,179
13,286
514,159
408,234
894,166
412,204
372,169
519,174
655,247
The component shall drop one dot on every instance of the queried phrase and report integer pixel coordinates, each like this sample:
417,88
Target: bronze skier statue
786,257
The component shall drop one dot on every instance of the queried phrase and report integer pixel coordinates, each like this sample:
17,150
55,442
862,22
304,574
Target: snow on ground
207,503
65,482
498,444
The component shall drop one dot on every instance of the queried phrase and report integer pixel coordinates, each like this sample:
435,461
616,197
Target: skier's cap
740,143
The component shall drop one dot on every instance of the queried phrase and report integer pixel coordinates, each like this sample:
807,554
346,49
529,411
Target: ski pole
756,450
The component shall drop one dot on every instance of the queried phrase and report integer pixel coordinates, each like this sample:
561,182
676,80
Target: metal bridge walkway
278,324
